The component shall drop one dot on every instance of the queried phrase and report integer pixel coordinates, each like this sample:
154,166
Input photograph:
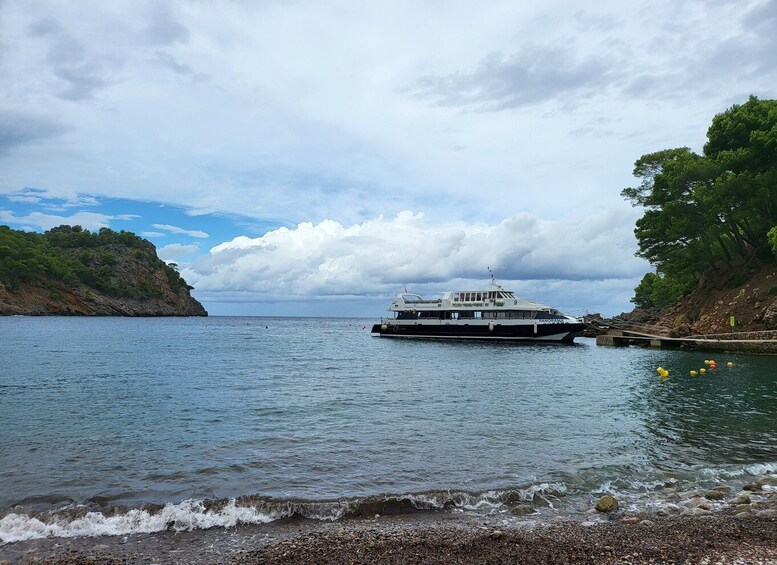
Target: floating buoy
383,327
729,364
660,370
663,373
702,371
706,361
693,373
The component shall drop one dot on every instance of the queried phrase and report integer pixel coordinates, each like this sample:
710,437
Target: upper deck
495,299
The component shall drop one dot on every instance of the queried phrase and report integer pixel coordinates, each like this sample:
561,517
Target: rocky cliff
69,271
749,296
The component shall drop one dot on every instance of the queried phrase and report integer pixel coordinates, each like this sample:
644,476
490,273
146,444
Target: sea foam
184,516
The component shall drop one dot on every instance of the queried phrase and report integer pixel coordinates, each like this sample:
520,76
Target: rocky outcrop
135,283
45,299
720,295
750,297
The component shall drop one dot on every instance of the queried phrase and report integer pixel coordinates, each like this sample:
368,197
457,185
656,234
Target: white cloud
153,234
38,220
375,257
175,251
177,230
316,129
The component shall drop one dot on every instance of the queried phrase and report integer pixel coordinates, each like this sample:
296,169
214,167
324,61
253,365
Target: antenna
491,274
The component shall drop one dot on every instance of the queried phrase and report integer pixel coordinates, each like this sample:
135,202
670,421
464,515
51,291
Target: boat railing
414,302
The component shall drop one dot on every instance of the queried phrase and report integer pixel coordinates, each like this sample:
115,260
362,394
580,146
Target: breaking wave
79,521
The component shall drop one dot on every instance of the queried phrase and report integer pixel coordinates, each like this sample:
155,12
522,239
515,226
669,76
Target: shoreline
432,537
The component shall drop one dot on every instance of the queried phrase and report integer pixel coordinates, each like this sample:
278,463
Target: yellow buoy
702,371
660,370
693,373
729,364
706,361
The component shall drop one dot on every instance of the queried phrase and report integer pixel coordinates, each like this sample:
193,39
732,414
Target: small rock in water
741,499
751,486
377,516
522,510
767,480
607,503
768,513
631,520
714,495
496,534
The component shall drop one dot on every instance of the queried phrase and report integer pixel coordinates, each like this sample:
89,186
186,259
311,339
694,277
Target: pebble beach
430,539
722,525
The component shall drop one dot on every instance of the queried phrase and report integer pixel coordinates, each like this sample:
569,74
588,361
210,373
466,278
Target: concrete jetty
721,342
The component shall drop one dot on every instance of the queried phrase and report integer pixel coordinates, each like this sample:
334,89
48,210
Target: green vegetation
718,209
73,256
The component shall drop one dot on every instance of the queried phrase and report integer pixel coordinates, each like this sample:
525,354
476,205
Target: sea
113,426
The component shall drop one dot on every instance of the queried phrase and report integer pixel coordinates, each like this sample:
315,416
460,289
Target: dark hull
565,332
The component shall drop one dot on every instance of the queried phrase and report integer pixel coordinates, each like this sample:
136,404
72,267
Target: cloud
175,251
533,75
17,129
175,229
58,202
38,220
153,234
43,27
376,256
169,62
163,28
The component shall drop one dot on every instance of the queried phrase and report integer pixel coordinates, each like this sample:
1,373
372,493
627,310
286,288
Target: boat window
456,296
478,314
478,297
468,297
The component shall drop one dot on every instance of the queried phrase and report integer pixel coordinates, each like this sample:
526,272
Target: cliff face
114,279
707,310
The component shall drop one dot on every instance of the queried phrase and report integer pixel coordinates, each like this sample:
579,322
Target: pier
618,335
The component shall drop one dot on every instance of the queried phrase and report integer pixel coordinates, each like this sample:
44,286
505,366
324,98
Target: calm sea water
100,412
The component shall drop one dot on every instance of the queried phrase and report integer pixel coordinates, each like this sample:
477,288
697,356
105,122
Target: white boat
493,314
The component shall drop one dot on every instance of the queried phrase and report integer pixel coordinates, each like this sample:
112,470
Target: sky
315,158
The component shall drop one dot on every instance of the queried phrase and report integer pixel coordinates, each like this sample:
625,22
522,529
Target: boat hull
556,332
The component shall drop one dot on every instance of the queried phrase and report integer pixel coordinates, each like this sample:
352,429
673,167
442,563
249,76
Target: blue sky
315,157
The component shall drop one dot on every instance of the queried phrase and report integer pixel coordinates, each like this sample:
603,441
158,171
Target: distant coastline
70,271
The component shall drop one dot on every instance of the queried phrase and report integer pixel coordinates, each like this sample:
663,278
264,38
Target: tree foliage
712,209
72,255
